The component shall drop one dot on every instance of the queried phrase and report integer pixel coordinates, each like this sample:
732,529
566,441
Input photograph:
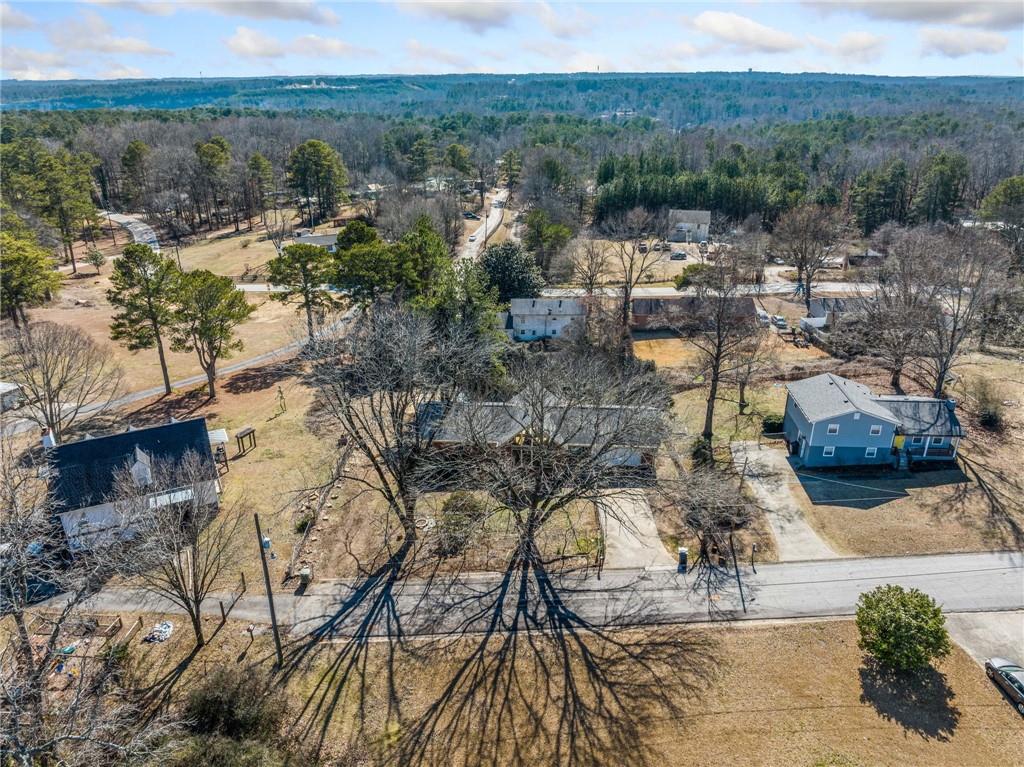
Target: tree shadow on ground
920,702
179,405
1002,493
541,684
257,379
338,645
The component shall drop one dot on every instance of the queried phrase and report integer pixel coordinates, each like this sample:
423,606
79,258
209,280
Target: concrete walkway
989,635
768,473
631,537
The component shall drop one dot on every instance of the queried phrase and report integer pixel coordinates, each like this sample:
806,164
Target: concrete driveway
769,475
631,537
986,635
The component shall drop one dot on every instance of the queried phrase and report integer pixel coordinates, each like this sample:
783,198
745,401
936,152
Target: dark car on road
1010,677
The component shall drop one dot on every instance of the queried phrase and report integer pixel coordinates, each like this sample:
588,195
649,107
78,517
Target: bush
237,704
303,522
772,423
990,405
701,452
902,629
691,275
460,515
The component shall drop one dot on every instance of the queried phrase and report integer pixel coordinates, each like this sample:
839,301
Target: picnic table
245,438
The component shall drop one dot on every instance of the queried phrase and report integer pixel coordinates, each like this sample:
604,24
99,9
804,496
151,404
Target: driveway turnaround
769,475
631,538
990,635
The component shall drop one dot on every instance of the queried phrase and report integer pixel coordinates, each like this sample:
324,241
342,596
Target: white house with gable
534,318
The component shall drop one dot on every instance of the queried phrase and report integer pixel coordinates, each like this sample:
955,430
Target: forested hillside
678,100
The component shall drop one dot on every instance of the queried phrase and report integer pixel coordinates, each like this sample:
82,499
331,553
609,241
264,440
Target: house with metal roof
833,421
83,475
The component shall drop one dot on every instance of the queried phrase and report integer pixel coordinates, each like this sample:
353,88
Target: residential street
495,212
959,582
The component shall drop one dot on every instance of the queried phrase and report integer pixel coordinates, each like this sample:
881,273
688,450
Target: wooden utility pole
270,593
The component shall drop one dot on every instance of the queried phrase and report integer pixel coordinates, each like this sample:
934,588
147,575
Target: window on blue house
829,451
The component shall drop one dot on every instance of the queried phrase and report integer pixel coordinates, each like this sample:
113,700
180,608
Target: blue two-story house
832,421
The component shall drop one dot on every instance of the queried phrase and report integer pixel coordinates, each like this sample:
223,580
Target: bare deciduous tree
589,264
636,261
721,323
377,385
65,376
85,718
965,270
571,431
805,234
183,546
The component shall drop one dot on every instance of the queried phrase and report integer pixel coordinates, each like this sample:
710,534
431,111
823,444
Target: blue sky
152,38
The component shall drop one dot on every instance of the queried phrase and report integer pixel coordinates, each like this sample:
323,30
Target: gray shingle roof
828,395
923,416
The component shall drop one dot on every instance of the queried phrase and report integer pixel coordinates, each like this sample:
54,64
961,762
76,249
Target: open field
667,350
83,304
796,694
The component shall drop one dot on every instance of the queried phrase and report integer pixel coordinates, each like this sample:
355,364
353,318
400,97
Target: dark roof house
84,472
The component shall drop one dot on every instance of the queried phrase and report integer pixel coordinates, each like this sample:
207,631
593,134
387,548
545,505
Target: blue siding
845,456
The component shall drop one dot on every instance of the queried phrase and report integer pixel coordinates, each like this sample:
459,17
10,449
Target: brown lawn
786,694
83,303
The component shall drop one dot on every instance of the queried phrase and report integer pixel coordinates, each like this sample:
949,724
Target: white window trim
917,440
828,451
856,416
938,441
876,430
833,428
871,452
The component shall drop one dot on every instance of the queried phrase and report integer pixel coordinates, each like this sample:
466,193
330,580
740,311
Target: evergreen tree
209,308
304,271
28,276
511,271
143,291
316,172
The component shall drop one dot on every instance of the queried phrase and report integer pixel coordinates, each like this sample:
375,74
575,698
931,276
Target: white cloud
954,43
422,54
91,33
284,10
564,21
120,72
27,64
12,18
995,14
253,44
862,47
743,34
476,16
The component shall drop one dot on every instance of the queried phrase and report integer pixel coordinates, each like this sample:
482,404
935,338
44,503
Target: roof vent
951,404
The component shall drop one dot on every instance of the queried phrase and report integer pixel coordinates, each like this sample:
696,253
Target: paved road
992,581
140,231
631,537
765,289
768,473
472,250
